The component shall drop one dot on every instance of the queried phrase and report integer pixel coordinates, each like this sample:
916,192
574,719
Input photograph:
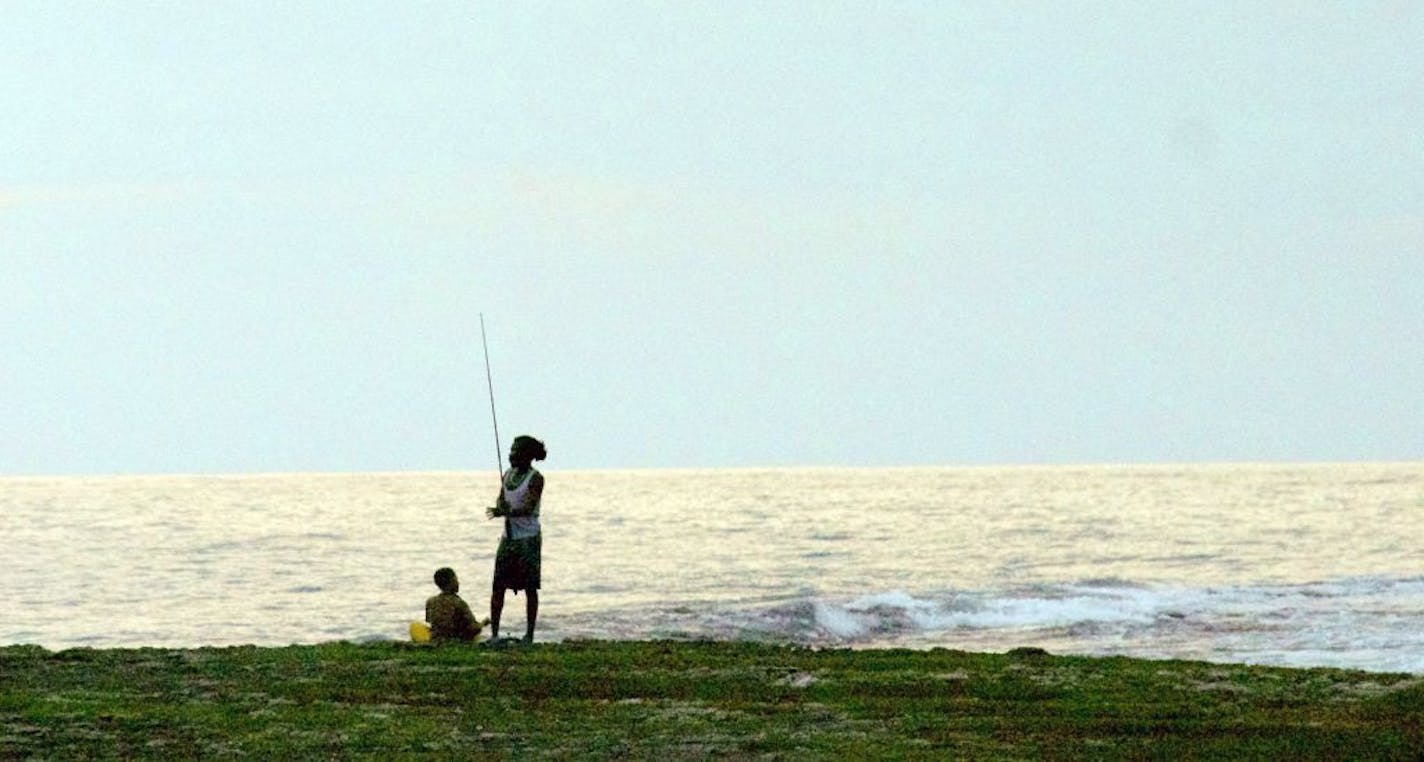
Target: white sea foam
1359,622
840,622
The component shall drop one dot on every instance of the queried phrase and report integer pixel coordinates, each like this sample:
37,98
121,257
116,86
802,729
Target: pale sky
249,236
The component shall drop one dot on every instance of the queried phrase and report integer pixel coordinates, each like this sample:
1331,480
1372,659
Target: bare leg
496,608
531,613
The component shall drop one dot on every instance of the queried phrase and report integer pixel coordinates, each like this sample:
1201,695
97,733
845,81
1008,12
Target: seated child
448,614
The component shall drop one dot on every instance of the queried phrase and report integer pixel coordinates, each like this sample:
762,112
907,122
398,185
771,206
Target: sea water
1297,565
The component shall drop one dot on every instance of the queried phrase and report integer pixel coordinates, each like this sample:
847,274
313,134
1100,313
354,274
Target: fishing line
489,381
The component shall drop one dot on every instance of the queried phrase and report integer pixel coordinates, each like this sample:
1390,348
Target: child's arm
469,627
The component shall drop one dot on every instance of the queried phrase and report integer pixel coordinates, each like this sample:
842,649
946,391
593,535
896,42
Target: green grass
675,700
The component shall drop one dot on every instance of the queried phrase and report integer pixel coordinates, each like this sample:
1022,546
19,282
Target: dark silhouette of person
449,616
516,563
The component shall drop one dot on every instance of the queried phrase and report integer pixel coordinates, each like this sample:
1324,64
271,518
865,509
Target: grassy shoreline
666,699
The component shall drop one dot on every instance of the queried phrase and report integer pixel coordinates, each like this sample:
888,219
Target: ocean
1293,565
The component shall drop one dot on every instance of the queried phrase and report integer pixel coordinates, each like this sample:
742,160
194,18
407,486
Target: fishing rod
489,381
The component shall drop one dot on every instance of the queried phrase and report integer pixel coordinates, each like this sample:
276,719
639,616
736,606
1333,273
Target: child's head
446,580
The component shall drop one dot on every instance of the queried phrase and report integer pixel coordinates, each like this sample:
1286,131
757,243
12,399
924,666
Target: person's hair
529,444
444,578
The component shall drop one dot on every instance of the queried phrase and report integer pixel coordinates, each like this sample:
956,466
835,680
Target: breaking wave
1359,622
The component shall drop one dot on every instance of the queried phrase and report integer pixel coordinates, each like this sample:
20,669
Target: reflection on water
303,558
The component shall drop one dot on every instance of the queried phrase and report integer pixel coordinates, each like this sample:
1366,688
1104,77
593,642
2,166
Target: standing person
516,563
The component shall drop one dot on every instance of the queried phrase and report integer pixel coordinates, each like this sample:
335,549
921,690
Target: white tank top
520,527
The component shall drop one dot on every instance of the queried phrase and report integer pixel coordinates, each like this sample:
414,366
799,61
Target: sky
259,237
